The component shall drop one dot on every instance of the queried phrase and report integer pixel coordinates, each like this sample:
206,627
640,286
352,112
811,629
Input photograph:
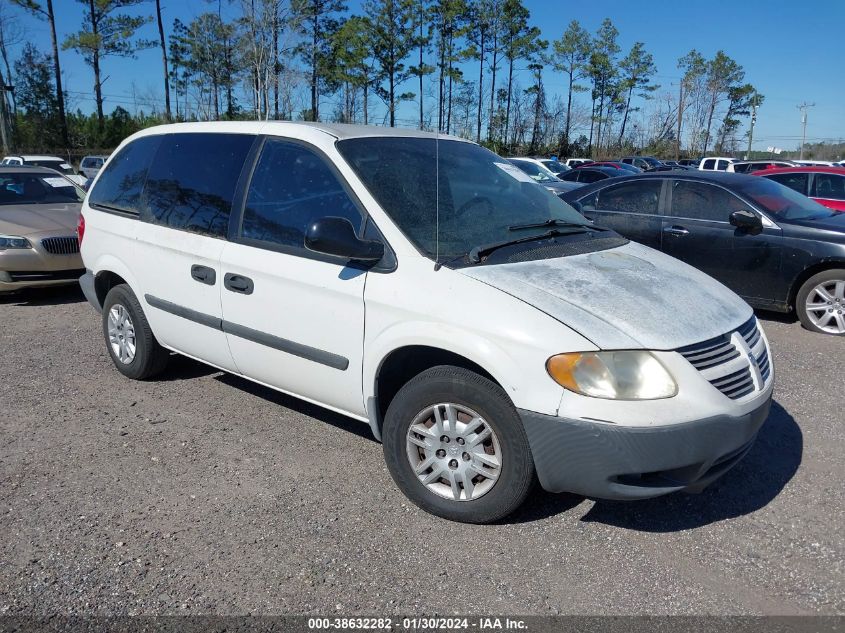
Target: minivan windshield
781,201
473,199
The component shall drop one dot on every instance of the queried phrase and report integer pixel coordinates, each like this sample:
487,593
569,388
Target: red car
825,185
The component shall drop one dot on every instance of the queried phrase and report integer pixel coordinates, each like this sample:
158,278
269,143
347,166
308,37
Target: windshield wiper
478,252
553,222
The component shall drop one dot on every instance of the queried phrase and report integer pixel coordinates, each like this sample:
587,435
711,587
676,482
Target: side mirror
747,221
336,237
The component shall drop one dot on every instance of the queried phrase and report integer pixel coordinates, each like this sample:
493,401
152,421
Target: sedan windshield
781,201
538,173
22,188
474,198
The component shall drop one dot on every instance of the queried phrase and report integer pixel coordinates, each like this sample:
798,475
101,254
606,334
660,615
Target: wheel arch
401,364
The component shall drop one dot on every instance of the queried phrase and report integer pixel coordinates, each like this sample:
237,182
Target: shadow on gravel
356,427
56,295
749,486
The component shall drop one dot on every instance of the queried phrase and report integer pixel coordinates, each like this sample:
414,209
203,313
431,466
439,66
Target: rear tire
820,303
467,457
130,342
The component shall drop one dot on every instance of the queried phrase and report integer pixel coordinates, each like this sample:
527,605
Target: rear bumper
86,282
608,461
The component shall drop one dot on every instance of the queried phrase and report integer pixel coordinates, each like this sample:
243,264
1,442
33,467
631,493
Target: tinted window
18,188
631,197
782,202
590,175
796,182
742,168
723,165
121,182
291,187
191,182
702,201
709,164
830,186
572,175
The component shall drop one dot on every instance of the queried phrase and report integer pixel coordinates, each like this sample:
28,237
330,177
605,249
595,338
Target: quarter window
191,183
702,201
631,197
829,186
119,186
291,187
797,182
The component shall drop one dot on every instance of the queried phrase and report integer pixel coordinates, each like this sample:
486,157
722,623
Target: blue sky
791,51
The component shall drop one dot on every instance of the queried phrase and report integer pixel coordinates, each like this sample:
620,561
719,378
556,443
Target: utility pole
680,119
5,127
751,131
803,107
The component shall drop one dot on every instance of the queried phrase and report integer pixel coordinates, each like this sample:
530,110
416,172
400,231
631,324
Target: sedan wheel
826,306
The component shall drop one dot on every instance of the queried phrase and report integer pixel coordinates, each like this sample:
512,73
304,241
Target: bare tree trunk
493,70
508,107
57,71
366,102
98,88
164,61
625,118
420,67
275,60
480,86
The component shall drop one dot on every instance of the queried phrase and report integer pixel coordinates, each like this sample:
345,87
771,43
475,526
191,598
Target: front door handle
238,283
677,231
203,274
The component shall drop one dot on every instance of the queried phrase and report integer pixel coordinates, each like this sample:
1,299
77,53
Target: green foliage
37,123
105,32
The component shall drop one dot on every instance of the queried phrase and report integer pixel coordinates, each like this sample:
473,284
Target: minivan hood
627,297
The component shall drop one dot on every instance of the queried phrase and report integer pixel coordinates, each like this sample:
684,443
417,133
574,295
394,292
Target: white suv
485,330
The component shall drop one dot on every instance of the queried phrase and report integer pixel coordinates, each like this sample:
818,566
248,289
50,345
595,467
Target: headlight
625,375
13,241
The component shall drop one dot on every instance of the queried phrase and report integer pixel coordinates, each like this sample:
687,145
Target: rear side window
723,165
631,197
121,182
702,201
797,182
829,186
571,176
745,167
291,187
191,182
709,164
591,176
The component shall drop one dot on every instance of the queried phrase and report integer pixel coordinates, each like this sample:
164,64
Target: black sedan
776,248
592,174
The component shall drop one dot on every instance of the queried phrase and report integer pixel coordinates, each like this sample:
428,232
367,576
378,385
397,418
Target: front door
294,320
699,233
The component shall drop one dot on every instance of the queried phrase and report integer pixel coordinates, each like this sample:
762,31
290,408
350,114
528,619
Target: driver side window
291,187
703,201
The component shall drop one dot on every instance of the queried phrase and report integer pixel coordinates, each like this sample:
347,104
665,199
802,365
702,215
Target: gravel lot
204,493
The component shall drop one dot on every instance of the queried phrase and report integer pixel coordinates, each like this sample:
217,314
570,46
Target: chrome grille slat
728,369
61,245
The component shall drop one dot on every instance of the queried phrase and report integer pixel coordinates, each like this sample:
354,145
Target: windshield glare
480,194
37,189
535,171
781,201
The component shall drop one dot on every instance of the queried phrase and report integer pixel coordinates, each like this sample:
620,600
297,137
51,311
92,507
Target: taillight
80,228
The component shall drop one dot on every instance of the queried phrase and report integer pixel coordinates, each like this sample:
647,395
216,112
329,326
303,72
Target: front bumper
608,461
36,267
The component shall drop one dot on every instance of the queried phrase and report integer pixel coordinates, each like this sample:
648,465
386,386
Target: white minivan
486,331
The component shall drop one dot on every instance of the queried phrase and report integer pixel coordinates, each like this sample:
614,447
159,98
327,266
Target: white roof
35,157
294,129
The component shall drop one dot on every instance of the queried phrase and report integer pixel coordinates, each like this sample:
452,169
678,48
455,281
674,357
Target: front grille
40,275
61,245
730,366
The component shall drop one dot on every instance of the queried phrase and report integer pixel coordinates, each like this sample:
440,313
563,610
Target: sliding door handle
203,274
238,283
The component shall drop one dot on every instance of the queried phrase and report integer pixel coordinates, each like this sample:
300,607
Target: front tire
820,303
129,340
456,447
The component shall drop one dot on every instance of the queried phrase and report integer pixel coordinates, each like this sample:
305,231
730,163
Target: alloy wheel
825,306
121,334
